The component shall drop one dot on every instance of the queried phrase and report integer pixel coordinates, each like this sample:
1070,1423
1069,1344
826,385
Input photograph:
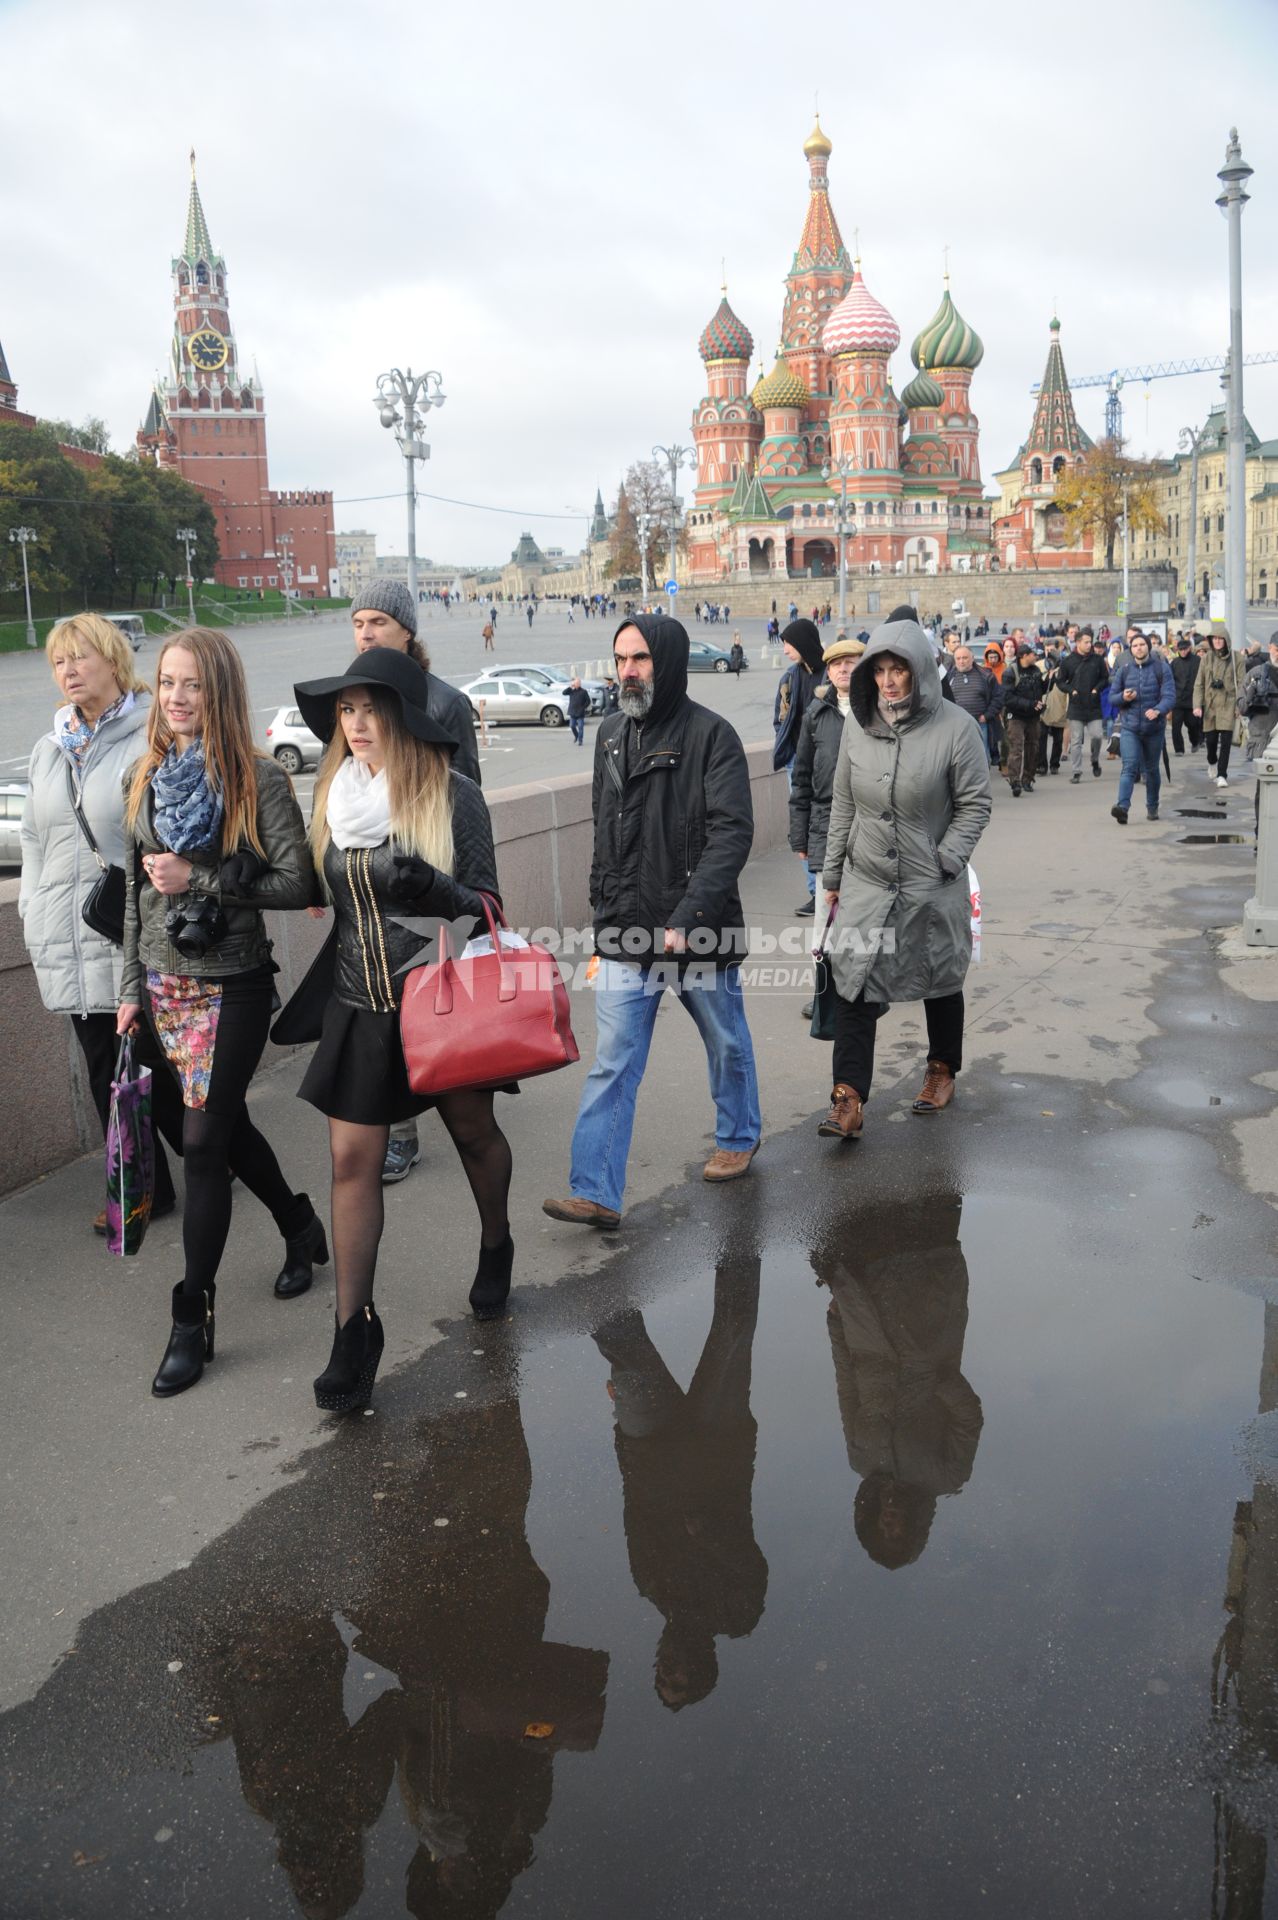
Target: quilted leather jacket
374,948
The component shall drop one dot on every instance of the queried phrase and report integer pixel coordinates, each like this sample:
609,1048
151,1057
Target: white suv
291,741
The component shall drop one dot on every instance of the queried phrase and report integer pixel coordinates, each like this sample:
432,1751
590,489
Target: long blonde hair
417,777
230,758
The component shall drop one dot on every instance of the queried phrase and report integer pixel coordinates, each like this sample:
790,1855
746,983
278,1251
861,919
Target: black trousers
855,1022
99,1044
1219,741
1053,739
1185,721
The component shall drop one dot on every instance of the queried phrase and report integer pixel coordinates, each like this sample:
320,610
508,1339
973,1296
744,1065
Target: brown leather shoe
581,1213
723,1165
937,1090
844,1120
100,1223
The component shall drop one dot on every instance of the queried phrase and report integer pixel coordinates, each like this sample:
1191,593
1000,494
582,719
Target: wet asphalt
895,1532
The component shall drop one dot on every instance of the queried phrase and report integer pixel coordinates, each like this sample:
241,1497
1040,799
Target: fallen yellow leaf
539,1730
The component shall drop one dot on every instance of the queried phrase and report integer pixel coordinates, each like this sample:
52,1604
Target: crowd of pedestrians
889,743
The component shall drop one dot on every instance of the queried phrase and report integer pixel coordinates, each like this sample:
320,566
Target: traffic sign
672,588
1122,603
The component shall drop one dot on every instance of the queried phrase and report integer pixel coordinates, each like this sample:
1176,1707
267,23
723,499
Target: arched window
1058,465
1036,472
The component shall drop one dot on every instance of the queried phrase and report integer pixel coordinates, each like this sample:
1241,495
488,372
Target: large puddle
886,1550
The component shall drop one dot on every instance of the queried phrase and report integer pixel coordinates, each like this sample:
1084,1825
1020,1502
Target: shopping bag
824,996
130,1154
974,895
496,1014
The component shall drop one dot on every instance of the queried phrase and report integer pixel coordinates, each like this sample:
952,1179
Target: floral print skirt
185,1013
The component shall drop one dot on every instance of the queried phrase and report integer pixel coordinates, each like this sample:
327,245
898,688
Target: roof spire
198,245
945,258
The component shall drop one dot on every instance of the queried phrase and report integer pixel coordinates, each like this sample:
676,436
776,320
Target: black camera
194,928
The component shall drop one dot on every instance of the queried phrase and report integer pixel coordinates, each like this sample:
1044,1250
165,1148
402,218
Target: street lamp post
284,541
187,537
403,400
674,457
1127,605
1191,437
843,469
643,531
21,537
1233,177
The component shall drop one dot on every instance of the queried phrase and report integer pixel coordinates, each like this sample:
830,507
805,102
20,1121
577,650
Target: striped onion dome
947,340
726,337
923,391
782,388
860,323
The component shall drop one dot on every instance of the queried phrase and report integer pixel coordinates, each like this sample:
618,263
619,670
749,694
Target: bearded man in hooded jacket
673,829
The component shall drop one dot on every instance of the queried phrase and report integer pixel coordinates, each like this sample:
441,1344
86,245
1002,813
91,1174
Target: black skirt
357,1071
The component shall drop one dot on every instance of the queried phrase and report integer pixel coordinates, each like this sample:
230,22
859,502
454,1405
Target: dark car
703,658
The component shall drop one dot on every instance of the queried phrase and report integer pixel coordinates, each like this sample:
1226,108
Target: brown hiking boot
937,1090
723,1165
843,1121
581,1213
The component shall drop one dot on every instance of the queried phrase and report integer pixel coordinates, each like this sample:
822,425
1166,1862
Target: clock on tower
208,350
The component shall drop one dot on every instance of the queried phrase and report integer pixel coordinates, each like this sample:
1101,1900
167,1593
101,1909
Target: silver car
291,741
507,698
13,798
542,676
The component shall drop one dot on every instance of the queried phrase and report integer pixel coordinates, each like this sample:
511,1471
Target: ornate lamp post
643,530
403,400
842,469
674,457
284,541
21,537
187,537
1233,177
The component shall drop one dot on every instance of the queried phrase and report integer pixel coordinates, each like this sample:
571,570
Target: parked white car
13,798
509,699
291,741
542,676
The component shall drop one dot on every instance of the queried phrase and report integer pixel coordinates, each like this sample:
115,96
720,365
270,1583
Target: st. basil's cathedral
762,506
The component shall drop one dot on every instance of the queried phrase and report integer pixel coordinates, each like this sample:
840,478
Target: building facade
771,457
1031,530
1207,510
206,417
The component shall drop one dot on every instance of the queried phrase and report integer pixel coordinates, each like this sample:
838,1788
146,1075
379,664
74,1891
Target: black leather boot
491,1288
346,1383
303,1251
190,1343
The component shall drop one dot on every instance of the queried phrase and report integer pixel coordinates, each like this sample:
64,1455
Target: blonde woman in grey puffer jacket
97,734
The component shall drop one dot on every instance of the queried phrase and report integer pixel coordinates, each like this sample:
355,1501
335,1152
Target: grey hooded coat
910,803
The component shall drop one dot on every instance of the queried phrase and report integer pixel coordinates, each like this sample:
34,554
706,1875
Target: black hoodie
673,818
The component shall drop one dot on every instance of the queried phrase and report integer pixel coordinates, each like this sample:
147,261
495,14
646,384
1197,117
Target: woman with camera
216,838
1216,703
397,836
73,851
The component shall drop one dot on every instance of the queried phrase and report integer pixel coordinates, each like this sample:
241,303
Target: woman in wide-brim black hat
396,834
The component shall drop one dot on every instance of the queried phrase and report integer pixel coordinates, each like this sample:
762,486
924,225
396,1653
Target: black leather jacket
455,715
374,949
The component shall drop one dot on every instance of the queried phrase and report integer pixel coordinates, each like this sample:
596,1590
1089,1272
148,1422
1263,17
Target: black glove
240,871
411,881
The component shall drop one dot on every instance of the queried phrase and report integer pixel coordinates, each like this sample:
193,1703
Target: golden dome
817,141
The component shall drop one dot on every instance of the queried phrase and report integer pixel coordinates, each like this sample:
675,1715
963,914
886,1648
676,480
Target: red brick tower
207,418
8,390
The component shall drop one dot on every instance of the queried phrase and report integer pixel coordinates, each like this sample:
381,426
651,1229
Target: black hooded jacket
673,819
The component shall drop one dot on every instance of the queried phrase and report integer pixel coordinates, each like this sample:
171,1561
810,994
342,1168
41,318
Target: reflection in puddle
1213,839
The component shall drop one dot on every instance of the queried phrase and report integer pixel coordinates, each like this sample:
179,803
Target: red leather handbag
483,1020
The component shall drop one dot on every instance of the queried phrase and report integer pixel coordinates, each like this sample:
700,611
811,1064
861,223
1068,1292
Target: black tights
219,1139
357,1207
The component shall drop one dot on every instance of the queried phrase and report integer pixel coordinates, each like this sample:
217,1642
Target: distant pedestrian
1184,666
489,637
1144,693
1084,676
1024,692
530,610
736,655
1216,693
578,708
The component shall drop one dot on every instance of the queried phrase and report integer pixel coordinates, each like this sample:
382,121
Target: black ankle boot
303,1250
491,1287
346,1383
190,1343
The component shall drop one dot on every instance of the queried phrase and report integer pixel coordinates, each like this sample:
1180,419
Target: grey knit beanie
387,596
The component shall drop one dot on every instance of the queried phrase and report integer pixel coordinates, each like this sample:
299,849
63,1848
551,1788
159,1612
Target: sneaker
1221,781
1096,768
1074,779
1120,814
401,1157
1153,815
1028,787
1016,792
809,906
1113,749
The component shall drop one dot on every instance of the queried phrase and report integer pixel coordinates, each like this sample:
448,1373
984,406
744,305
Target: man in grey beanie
383,615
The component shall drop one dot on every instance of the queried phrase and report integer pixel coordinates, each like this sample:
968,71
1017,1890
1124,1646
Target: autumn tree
645,489
1091,493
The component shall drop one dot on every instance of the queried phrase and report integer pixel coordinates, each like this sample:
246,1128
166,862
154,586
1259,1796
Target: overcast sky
535,200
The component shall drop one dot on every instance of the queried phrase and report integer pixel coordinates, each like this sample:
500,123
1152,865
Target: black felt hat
382,667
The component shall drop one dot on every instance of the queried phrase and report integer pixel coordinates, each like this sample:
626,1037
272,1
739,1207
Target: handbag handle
78,809
448,964
818,951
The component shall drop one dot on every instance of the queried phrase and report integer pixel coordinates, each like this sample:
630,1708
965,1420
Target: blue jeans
1142,760
626,1007
578,729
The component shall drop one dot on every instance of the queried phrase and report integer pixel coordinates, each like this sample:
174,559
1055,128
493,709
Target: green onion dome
923,392
947,340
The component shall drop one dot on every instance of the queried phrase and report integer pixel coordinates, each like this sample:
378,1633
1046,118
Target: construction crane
1115,380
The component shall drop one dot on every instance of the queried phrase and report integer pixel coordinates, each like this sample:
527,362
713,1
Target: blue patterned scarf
73,732
188,813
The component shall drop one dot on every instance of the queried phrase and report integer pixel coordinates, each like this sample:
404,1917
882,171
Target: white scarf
358,806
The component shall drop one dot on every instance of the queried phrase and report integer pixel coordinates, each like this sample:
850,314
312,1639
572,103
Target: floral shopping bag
130,1154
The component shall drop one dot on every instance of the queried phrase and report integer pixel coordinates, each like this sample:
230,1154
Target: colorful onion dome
947,340
726,337
923,391
782,388
818,141
860,324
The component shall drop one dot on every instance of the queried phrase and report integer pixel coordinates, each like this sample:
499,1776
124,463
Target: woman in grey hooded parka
911,800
